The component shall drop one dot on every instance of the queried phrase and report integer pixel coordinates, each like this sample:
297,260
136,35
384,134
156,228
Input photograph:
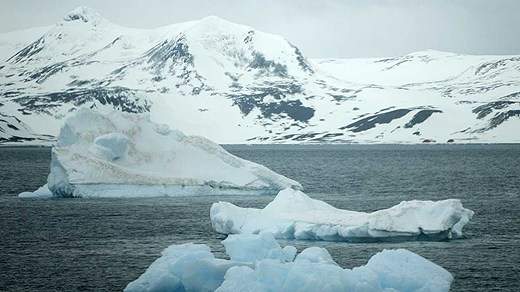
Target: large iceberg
258,263
292,214
126,155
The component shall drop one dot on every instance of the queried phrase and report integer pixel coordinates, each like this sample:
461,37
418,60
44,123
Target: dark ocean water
103,244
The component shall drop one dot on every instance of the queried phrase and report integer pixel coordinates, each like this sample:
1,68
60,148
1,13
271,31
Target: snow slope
292,214
13,131
126,155
12,42
258,263
234,84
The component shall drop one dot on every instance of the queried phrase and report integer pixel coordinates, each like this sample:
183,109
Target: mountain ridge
235,84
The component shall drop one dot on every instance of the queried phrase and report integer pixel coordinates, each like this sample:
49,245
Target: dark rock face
484,110
176,50
499,108
371,121
499,118
302,61
268,67
490,66
254,97
29,51
420,117
120,98
293,109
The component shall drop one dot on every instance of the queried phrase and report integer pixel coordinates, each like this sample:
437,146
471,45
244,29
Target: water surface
102,244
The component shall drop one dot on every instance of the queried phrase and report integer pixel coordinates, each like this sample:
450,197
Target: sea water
103,244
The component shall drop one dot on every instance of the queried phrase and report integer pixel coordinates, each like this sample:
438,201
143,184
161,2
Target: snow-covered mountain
234,84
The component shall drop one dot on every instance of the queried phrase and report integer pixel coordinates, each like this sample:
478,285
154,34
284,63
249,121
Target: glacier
126,155
294,215
258,263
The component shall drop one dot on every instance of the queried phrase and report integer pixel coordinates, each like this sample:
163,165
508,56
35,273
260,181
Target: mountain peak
213,18
84,14
213,22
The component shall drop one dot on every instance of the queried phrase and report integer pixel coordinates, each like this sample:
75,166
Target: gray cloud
359,28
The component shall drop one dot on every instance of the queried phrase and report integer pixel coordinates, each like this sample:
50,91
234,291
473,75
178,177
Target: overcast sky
321,29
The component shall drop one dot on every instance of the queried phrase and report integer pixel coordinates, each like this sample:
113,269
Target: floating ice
40,193
253,248
126,155
256,265
187,266
292,214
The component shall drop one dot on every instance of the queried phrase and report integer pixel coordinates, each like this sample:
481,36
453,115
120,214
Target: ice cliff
126,155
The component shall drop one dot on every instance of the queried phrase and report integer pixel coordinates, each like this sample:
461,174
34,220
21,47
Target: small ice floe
293,214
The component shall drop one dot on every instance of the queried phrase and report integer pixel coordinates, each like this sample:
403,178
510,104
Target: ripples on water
102,244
